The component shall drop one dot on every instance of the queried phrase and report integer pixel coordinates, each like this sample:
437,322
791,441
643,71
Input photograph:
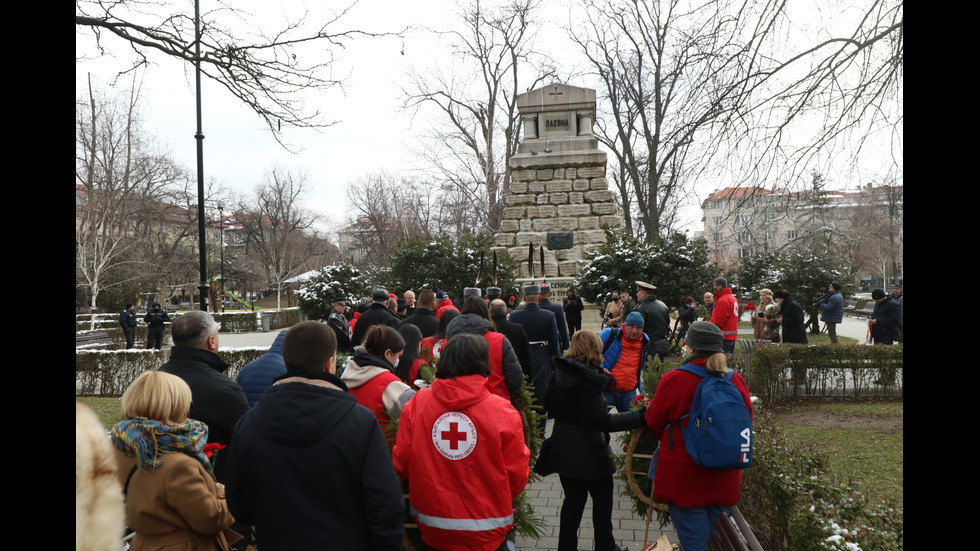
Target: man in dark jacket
514,333
308,466
542,334
127,320
377,314
572,305
656,320
257,375
425,314
216,400
155,320
338,322
544,302
885,320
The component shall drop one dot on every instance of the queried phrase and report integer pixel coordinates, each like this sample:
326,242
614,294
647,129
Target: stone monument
559,198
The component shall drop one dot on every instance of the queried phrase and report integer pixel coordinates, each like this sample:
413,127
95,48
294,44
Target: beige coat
177,506
614,313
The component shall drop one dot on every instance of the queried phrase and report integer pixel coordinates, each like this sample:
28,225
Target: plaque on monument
558,240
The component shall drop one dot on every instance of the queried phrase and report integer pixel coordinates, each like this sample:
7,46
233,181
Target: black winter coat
580,438
311,469
793,329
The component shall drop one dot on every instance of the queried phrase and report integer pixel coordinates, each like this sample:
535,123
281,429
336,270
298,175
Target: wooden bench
733,533
92,340
850,306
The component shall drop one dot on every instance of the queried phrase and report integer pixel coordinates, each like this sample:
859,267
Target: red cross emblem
454,435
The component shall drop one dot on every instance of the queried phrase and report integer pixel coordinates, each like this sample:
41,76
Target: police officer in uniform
541,329
546,304
155,319
656,321
338,322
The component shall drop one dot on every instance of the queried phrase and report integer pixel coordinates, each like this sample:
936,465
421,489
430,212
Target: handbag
543,465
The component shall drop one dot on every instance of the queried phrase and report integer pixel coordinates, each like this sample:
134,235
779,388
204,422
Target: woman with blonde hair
172,498
580,451
763,317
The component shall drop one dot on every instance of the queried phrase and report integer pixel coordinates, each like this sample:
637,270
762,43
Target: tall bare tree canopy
727,89
474,98
123,183
266,69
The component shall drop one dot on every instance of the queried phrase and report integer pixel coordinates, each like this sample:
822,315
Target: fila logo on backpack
719,429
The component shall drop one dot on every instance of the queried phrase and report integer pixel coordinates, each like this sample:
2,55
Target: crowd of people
307,453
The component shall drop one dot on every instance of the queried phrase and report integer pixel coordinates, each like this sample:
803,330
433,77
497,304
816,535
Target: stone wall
560,207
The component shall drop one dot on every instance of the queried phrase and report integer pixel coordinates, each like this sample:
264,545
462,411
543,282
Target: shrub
792,503
828,371
316,297
110,372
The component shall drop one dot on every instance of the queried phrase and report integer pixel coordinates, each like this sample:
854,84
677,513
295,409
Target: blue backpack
719,429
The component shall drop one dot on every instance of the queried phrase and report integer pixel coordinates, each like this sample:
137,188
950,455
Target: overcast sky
373,133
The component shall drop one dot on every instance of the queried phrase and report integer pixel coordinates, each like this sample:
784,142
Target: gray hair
193,329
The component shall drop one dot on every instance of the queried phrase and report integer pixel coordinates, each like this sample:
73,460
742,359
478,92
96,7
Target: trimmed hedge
822,371
110,372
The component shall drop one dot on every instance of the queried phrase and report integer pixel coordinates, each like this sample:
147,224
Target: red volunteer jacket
461,448
678,479
725,314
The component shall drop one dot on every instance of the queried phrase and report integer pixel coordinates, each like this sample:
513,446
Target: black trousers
576,492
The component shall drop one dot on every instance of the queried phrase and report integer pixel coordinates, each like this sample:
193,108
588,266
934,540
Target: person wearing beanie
127,320
833,310
885,322
725,313
377,314
624,352
695,495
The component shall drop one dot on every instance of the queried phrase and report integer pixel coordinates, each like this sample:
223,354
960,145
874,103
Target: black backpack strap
613,333
128,478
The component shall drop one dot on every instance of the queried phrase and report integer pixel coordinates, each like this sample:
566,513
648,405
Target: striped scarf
147,439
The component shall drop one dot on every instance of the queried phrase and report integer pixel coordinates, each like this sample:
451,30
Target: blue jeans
694,525
619,400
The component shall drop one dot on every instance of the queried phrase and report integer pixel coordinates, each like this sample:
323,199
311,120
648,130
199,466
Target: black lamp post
202,287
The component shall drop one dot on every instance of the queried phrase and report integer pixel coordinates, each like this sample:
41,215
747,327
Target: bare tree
386,210
275,227
476,104
121,182
833,86
266,70
673,80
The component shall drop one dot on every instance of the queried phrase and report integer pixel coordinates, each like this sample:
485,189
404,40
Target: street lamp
199,136
221,277
350,253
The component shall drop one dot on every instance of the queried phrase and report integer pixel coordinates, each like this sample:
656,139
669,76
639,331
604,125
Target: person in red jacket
695,495
461,448
725,314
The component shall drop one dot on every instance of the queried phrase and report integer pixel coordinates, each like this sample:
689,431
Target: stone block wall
557,199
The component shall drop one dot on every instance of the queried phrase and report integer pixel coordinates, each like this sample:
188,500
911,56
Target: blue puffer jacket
257,375
833,308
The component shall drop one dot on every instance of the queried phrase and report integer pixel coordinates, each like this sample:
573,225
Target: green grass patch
108,409
864,442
